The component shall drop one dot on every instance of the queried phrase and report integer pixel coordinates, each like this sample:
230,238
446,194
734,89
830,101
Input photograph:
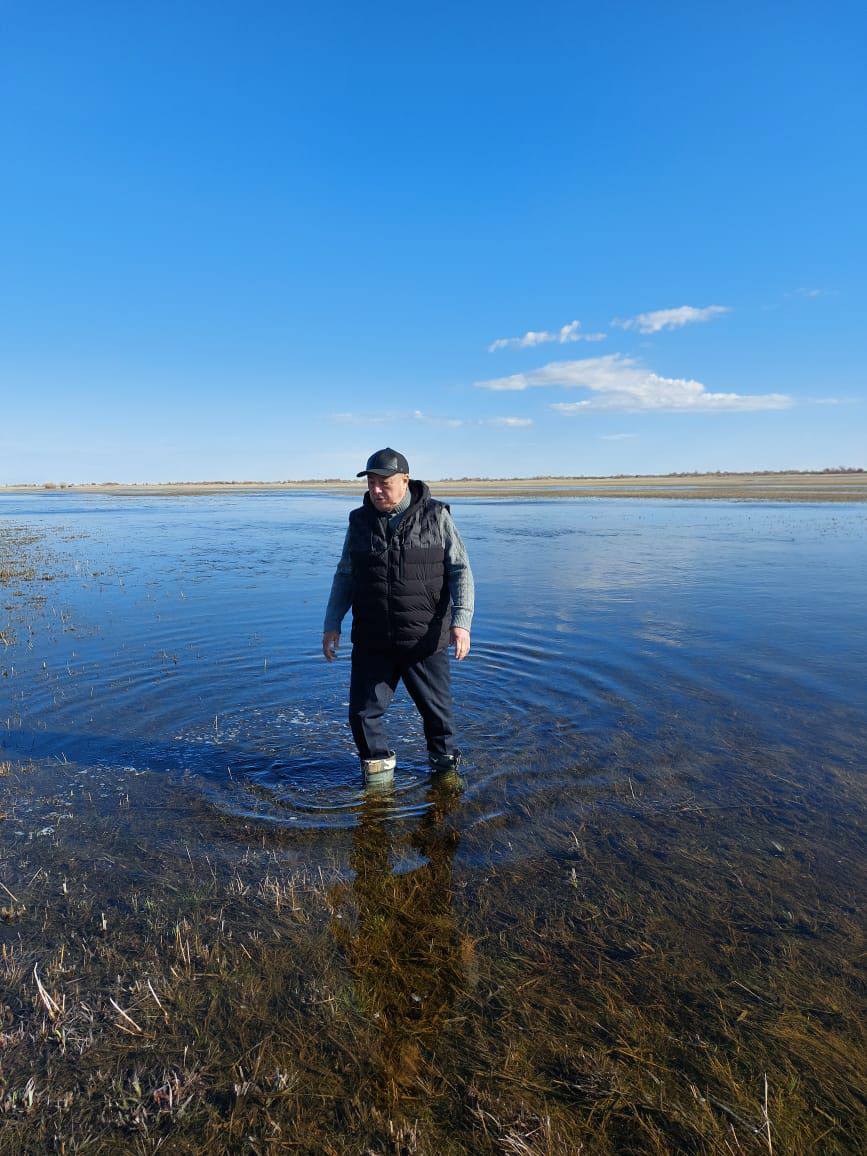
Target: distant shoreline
791,486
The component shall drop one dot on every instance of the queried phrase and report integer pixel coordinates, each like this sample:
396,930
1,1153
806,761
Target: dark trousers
374,679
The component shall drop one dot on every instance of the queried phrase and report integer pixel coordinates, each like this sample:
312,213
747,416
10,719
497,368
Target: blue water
612,636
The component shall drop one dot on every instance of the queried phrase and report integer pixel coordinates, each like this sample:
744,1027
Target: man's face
386,493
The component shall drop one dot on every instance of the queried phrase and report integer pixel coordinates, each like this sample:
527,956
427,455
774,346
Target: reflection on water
638,929
397,926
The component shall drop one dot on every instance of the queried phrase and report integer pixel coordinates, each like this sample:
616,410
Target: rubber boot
444,769
378,772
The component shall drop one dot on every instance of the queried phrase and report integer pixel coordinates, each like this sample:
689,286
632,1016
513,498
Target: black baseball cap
385,463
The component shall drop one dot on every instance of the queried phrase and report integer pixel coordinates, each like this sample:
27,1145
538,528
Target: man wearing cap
404,571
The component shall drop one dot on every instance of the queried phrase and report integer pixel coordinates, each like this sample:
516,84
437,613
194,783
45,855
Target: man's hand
330,643
460,640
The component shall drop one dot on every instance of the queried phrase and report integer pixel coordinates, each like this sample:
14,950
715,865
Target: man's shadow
398,931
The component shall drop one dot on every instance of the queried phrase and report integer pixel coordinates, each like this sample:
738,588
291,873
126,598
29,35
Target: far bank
794,486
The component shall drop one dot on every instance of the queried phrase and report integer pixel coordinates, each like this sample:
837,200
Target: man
405,572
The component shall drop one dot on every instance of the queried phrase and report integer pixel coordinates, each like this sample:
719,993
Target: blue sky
258,240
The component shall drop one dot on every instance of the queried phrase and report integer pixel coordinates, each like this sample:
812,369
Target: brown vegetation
669,980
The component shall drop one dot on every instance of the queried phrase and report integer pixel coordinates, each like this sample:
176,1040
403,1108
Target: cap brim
379,473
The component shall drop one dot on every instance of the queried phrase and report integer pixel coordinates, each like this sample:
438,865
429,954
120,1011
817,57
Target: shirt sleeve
341,591
458,574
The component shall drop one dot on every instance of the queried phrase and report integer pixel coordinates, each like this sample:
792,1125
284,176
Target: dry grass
836,485
23,558
664,982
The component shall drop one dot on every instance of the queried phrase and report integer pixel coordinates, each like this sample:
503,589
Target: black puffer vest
400,595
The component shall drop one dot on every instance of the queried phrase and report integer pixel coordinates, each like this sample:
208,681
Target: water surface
639,928
182,635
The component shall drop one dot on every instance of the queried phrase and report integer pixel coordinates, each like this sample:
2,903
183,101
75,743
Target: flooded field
638,929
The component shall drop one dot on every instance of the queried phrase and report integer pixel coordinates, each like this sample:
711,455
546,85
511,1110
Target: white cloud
387,418
431,419
810,293
661,319
362,418
417,415
616,437
564,335
622,383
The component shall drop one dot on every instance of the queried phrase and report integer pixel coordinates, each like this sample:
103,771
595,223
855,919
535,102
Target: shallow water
181,635
639,929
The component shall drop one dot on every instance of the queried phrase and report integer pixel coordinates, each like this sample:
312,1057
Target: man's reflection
400,936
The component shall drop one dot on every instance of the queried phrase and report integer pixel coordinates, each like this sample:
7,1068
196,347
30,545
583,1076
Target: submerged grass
671,961
687,980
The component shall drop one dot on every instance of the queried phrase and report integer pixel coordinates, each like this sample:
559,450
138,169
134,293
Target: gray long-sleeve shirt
457,567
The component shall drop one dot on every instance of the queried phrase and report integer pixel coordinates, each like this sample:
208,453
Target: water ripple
185,640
